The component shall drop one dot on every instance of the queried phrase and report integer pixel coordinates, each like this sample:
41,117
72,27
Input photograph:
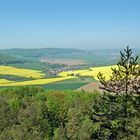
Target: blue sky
69,23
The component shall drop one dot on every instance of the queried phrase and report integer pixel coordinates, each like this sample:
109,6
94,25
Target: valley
55,68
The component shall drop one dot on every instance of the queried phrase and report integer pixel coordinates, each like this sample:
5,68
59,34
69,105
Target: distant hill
94,57
50,52
8,59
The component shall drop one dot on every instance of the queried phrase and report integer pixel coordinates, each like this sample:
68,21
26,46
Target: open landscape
20,71
69,70
64,72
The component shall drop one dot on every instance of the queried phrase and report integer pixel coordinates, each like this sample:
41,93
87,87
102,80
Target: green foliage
14,104
125,82
34,113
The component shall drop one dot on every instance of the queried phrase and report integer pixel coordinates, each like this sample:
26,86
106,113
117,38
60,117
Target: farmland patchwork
39,77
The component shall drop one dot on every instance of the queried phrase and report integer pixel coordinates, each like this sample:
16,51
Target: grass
65,86
71,84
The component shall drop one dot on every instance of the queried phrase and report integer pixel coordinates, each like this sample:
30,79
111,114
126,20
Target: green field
65,86
71,84
35,77
25,67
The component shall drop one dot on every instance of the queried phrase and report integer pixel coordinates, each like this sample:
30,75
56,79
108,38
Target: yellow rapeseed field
92,72
4,81
21,72
38,82
106,70
28,74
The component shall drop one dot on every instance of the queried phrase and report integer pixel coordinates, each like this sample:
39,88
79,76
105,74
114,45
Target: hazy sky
69,23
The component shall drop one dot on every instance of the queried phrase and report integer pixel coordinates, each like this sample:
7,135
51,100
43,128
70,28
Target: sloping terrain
90,87
21,72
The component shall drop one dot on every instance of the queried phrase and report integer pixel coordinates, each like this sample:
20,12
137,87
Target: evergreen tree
125,81
125,78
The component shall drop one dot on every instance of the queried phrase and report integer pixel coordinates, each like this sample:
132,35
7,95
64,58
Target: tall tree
125,79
